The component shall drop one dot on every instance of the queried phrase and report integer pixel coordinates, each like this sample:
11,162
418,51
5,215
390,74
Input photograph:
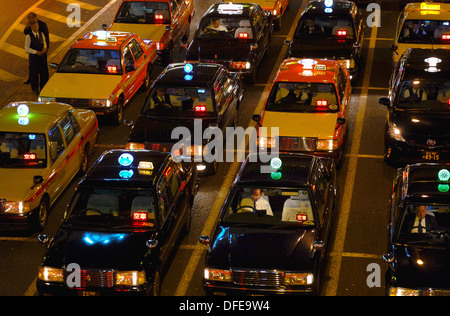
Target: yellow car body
40,153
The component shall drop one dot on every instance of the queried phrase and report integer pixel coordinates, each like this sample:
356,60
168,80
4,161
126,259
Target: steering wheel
427,230
83,212
246,206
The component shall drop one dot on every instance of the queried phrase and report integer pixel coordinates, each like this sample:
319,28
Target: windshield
119,208
230,28
272,206
303,97
421,95
92,61
22,150
426,223
425,32
325,26
143,12
190,102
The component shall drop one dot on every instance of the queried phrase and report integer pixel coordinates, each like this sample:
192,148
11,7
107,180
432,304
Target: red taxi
166,22
309,104
102,71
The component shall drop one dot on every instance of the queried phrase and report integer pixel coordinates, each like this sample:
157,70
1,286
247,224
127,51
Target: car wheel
148,77
84,161
42,216
118,116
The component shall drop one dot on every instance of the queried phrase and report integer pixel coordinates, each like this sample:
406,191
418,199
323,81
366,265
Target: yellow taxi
102,71
309,103
275,7
422,25
42,147
166,22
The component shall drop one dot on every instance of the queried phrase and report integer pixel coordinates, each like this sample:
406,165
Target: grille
257,278
78,103
96,278
297,143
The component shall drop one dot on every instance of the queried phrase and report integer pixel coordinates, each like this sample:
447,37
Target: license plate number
430,155
88,293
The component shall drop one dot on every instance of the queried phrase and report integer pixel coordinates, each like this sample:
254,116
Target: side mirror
54,65
356,45
287,43
384,101
318,245
128,124
341,120
151,244
168,28
104,27
257,119
205,240
253,46
43,239
394,47
38,179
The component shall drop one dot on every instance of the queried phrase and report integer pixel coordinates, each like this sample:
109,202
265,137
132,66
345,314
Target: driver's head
256,194
421,211
160,92
216,23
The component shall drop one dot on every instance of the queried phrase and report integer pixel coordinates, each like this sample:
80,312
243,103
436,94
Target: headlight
130,277
298,278
327,144
159,45
240,65
348,63
16,207
267,142
395,133
217,275
46,99
101,103
50,274
400,291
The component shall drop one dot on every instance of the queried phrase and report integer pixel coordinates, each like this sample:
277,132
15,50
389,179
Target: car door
261,32
72,136
56,152
176,25
129,72
140,65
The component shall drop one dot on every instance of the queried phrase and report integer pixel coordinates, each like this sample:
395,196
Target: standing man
31,18
36,47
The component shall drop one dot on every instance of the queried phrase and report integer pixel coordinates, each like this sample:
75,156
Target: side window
174,7
75,124
218,90
173,181
67,128
56,142
136,49
343,78
340,89
127,57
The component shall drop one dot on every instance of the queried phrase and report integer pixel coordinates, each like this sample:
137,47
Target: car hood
320,125
423,266
211,50
81,86
426,125
262,248
153,129
94,249
18,184
145,31
321,48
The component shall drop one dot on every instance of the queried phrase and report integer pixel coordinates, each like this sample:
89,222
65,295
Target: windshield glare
325,27
127,208
303,97
425,32
22,150
435,222
229,28
170,101
92,61
143,12
432,95
271,206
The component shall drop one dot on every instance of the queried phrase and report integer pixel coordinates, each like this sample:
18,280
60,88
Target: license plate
88,293
430,155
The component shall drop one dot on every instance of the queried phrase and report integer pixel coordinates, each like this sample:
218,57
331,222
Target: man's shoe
27,82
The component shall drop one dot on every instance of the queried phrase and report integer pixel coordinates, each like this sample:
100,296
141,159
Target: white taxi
42,148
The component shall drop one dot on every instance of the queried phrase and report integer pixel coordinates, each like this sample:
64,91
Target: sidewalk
18,91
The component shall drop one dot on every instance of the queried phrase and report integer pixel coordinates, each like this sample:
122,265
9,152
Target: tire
42,215
84,161
148,78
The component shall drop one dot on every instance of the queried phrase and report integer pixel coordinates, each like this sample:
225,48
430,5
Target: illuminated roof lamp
276,175
276,163
430,7
148,165
444,188
307,63
328,3
126,174
188,77
188,68
23,110
443,175
126,160
432,62
101,35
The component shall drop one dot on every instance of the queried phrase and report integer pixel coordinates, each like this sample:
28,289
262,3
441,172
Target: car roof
294,70
296,171
415,11
108,172
41,116
203,75
243,9
423,184
417,67
110,40
338,8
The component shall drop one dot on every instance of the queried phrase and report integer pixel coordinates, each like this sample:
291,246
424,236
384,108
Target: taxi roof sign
430,7
230,8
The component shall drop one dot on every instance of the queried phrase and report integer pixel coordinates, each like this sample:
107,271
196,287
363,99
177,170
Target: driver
215,26
257,202
421,222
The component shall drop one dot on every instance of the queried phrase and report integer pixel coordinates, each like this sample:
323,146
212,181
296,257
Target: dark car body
330,40
123,219
417,129
211,85
258,251
419,262
242,47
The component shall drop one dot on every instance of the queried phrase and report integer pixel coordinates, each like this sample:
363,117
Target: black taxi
419,231
332,30
236,35
271,236
418,118
120,227
186,100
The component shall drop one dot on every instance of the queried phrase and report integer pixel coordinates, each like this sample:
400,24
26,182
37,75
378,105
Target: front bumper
16,222
57,289
230,289
402,153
